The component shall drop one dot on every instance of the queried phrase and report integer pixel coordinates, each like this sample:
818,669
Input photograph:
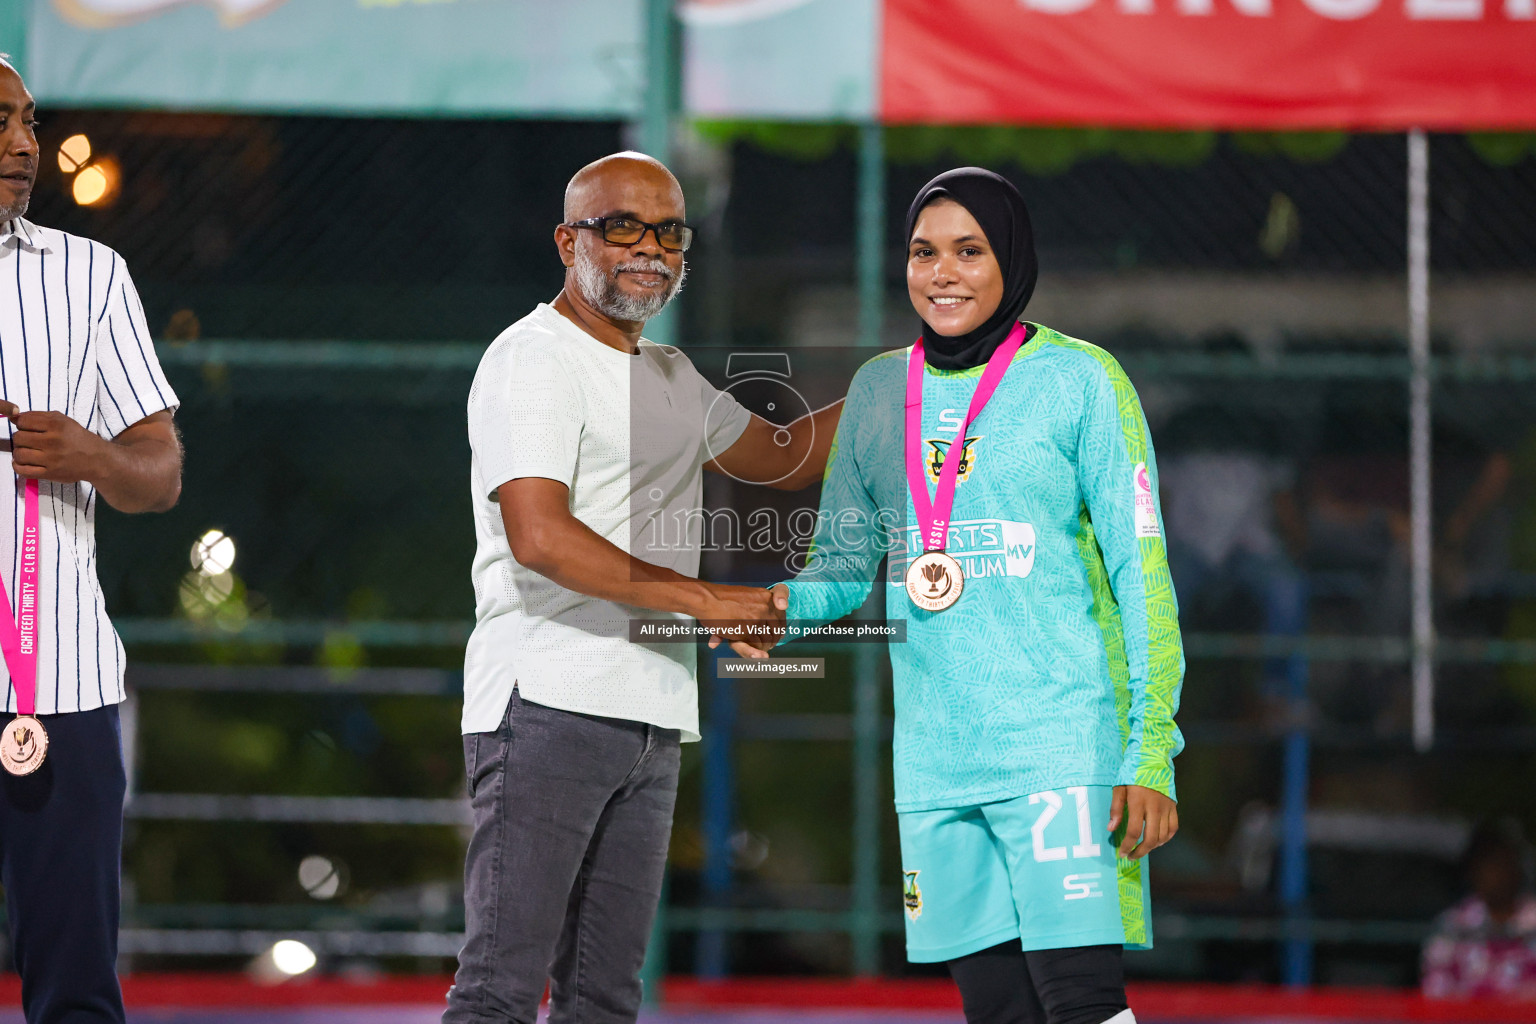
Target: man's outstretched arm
785,458
547,538
851,536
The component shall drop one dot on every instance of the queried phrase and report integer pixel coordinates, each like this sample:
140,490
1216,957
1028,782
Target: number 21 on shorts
1086,848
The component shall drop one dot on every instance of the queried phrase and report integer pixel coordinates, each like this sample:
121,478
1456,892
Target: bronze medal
23,745
934,581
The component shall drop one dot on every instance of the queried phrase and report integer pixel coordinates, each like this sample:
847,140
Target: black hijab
999,209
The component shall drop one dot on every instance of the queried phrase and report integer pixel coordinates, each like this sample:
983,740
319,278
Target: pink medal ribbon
23,743
935,579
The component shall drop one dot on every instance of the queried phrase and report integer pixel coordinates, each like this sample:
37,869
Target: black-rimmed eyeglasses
672,235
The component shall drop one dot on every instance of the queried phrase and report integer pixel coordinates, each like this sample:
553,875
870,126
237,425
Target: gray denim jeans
572,816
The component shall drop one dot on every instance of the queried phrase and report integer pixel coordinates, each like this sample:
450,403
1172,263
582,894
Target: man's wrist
697,600
100,462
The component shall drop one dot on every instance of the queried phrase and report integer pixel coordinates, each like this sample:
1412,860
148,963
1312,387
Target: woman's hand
1151,819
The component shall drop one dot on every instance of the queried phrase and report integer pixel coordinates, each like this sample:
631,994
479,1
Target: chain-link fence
322,289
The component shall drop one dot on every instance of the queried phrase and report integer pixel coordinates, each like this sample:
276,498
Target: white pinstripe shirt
73,340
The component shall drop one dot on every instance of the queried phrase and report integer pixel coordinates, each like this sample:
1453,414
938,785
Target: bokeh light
320,877
74,152
292,957
213,553
97,184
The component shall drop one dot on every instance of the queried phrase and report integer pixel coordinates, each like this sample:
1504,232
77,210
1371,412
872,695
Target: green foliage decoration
1503,149
1046,151
1302,147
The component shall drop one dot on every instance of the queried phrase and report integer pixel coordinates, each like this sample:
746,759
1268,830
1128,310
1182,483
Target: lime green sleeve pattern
1150,650
1106,614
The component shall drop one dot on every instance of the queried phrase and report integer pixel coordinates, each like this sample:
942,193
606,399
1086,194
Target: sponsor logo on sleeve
1146,504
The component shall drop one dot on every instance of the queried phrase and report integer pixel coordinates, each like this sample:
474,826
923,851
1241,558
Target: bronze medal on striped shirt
23,745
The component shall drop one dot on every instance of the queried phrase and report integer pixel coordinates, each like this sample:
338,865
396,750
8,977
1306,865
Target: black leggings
1006,985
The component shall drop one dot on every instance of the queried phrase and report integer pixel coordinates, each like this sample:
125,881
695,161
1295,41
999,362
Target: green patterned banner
532,58
781,59
541,58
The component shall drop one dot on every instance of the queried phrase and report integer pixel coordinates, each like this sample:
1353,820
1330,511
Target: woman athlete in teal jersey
1035,712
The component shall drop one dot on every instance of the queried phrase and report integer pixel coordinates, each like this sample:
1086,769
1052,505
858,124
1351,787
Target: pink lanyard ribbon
18,634
933,515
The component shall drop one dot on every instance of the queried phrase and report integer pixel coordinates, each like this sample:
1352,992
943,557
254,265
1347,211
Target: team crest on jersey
911,895
938,451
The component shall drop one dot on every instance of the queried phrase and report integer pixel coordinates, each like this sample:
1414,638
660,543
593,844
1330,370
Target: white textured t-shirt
629,434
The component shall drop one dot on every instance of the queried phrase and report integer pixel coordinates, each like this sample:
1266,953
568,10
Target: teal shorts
1040,869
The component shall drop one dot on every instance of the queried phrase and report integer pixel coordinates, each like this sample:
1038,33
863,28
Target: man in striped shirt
88,412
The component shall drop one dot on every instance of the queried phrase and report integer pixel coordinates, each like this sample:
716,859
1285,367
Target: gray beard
15,209
602,292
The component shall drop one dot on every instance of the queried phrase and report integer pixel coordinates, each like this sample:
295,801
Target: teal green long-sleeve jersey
1061,663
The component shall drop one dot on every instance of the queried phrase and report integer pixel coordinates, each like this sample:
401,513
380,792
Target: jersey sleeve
851,531
1118,475
130,384
525,416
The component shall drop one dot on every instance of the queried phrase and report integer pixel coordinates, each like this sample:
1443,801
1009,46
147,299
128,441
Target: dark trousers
572,817
1078,985
61,840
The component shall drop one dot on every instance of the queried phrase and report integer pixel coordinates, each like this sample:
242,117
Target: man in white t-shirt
585,436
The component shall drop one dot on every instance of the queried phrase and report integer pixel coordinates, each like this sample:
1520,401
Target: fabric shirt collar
23,233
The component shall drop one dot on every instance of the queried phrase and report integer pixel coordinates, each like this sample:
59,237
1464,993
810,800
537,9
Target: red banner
1370,64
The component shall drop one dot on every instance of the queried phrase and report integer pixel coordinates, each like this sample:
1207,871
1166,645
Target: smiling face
953,278
18,145
626,283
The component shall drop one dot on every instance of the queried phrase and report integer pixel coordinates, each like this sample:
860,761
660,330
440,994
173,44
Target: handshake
750,619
